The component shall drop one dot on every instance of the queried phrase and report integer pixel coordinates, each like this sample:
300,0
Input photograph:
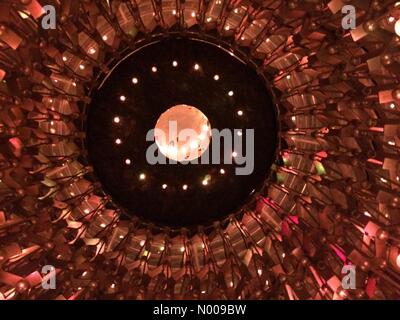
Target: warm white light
64,58
174,12
164,186
398,261
105,37
293,118
392,106
196,67
175,63
205,182
239,133
122,98
227,28
209,19
230,93
118,141
154,69
222,171
128,161
184,187
182,249
117,119
391,19
240,113
86,211
236,10
103,225
135,80
234,154
142,176
259,271
193,145
81,66
193,14
366,213
397,27
92,50
188,127
288,76
142,242
216,77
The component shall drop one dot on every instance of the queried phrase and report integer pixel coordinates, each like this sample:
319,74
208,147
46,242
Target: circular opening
185,193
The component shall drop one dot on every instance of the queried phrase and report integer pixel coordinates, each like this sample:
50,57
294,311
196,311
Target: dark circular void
152,95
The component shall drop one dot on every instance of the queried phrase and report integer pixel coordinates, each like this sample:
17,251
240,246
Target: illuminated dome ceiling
76,193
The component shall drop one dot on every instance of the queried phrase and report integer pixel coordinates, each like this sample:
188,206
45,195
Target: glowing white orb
182,133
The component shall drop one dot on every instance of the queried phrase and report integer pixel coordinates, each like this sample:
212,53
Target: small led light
117,119
227,28
81,66
293,118
196,67
392,106
216,77
122,98
74,84
236,10
288,76
103,225
182,249
184,187
208,19
105,38
142,176
135,80
366,213
162,248
164,186
239,133
193,14
391,19
128,161
118,141
64,58
230,93
86,211
240,113
222,171
205,182
154,69
259,271
234,154
267,40
174,12
175,63
142,242
92,50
